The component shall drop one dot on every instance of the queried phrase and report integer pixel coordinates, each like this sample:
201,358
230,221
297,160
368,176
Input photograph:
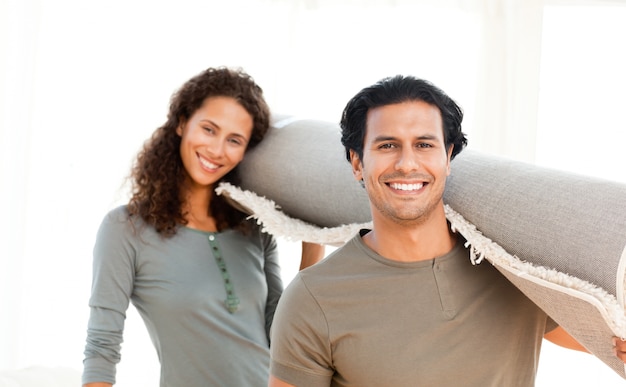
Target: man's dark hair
393,90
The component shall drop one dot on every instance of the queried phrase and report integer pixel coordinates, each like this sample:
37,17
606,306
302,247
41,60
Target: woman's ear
180,127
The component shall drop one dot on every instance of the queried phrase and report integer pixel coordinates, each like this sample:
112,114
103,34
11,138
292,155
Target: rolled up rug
557,236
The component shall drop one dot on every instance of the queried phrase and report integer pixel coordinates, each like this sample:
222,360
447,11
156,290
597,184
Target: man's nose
408,161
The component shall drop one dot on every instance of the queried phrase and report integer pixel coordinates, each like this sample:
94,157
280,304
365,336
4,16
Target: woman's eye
209,129
235,141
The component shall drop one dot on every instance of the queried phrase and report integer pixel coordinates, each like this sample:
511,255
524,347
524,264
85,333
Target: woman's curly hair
158,172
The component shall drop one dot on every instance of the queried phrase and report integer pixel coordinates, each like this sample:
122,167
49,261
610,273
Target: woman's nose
216,147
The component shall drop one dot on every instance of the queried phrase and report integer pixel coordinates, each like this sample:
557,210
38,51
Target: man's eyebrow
383,138
427,137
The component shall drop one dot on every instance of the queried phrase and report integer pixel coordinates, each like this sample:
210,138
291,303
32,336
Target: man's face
405,163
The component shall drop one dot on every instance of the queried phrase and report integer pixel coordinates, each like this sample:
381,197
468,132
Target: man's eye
386,146
424,145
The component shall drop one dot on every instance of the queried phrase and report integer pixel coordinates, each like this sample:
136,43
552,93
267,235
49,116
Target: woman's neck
197,209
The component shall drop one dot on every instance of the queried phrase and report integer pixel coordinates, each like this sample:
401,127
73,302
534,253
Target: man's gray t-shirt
359,319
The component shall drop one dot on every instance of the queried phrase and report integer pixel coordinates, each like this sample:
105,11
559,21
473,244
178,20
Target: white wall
83,84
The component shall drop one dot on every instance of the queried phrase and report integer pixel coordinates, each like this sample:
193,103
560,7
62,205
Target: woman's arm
112,284
312,253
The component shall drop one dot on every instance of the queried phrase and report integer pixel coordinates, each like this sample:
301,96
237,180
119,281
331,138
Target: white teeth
208,164
407,187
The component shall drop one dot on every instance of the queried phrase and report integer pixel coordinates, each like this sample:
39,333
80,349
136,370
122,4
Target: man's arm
299,351
275,382
619,346
561,338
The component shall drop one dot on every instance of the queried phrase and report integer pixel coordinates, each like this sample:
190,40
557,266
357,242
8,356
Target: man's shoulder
338,265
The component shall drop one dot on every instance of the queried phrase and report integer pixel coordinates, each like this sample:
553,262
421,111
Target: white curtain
83,84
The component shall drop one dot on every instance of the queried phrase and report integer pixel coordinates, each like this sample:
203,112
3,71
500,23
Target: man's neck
409,243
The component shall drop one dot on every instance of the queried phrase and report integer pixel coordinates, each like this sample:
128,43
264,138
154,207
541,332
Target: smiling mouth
406,187
207,164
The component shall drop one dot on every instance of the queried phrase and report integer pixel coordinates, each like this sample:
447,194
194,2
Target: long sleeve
112,285
273,278
179,291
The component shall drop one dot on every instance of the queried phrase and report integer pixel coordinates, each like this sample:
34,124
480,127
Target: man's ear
449,157
357,166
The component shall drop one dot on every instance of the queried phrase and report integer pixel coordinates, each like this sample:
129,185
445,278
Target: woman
204,278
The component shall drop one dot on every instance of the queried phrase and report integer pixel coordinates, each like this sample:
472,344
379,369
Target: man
401,304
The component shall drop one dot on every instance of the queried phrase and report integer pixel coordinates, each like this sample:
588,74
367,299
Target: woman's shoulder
252,232
121,219
249,226
120,224
119,216
119,213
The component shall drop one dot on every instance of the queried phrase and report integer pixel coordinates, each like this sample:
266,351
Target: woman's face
214,140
